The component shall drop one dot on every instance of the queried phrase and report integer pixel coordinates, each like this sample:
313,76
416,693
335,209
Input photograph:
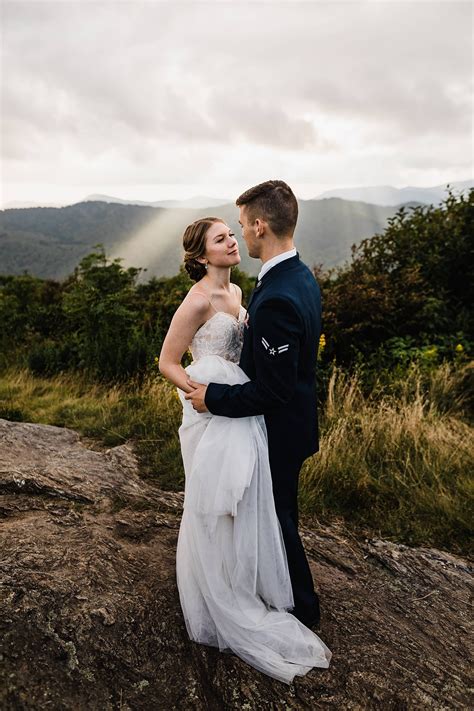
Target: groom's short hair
273,201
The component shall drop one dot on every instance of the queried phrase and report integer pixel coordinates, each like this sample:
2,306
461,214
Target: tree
416,279
102,309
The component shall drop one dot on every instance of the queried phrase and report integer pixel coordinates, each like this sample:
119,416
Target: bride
231,566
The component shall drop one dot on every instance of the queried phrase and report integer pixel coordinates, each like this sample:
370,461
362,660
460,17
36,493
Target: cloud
132,92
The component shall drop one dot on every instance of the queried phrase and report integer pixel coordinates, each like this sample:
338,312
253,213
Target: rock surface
90,615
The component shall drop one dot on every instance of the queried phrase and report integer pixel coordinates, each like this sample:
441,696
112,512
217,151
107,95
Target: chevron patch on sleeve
274,351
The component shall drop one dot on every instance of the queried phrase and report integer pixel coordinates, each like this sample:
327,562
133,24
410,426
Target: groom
279,356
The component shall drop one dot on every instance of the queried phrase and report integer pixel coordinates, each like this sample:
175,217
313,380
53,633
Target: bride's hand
197,396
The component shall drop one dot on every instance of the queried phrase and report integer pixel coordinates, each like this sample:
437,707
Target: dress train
232,571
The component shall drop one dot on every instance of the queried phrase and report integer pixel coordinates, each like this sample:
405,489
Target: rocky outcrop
90,615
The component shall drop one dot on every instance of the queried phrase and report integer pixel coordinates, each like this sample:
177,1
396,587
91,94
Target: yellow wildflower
322,343
459,347
431,352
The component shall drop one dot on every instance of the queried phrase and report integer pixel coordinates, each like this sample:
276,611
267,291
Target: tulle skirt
231,565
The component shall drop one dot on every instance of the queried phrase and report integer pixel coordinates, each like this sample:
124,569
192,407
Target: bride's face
222,249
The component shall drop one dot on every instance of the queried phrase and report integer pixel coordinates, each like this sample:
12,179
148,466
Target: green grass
397,462
149,414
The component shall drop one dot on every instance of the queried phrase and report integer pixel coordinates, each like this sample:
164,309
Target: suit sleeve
277,330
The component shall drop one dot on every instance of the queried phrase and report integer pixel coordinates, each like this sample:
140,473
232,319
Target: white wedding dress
231,566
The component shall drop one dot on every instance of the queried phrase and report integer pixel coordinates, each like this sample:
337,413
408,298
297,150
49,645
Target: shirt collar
276,260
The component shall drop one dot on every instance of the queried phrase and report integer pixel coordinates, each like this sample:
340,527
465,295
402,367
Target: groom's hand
197,396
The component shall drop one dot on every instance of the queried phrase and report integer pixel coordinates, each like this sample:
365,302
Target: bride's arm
188,317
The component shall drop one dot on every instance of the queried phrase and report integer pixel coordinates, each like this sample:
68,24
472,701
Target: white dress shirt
276,260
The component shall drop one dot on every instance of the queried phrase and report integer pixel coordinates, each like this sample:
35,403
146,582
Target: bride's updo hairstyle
194,243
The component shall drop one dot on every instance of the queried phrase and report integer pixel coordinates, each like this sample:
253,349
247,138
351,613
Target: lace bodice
221,335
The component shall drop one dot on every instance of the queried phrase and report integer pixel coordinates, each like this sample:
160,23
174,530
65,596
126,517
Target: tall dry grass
148,413
398,461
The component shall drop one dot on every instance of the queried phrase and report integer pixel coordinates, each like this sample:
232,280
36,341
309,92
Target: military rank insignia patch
274,351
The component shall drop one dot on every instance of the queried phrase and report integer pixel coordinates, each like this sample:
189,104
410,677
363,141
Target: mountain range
388,195
49,242
194,203
375,195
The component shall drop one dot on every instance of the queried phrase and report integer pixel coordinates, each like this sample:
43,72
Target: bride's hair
194,243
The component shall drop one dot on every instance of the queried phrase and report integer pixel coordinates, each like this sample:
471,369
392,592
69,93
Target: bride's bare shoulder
195,303
238,291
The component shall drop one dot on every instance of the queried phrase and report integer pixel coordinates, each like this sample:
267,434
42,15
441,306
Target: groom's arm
277,329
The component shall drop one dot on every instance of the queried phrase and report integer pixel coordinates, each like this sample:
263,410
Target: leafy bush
406,296
415,282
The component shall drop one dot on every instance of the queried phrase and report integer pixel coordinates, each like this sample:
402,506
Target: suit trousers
285,475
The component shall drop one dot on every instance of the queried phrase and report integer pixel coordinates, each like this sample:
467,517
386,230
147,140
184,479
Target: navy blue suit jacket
279,356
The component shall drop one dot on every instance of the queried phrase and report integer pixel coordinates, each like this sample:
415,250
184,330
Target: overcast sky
155,100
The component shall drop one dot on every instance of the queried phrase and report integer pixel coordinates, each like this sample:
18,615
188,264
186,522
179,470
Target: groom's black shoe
313,624
308,622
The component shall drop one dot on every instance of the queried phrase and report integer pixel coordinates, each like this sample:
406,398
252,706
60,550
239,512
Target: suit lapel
266,279
273,272
255,291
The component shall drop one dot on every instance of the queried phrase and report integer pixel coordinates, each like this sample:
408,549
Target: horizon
186,193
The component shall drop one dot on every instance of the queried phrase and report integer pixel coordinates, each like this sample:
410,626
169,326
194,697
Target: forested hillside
49,242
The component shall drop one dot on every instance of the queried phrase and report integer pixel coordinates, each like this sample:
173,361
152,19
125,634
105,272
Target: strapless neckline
220,336
225,313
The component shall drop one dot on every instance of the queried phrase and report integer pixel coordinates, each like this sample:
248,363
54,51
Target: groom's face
249,233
